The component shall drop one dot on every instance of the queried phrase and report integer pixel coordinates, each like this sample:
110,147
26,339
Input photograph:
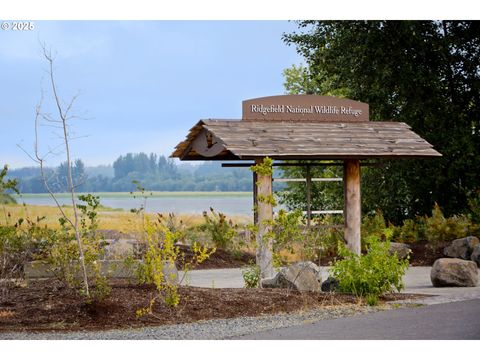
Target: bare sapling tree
62,122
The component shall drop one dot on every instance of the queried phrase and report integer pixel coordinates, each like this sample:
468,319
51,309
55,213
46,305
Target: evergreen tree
424,73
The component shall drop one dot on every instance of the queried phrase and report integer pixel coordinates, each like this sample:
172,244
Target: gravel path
211,329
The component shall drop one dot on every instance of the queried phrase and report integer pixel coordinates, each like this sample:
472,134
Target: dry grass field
109,219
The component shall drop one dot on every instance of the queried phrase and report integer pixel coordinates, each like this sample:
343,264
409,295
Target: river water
179,204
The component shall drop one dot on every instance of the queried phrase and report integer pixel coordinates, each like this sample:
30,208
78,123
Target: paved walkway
417,281
449,321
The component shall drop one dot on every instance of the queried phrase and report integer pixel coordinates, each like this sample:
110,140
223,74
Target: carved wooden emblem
207,144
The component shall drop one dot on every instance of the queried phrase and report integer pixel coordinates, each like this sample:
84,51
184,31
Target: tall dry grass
109,219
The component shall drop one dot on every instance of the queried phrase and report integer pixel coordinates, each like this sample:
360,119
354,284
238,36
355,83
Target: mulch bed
220,259
423,256
47,306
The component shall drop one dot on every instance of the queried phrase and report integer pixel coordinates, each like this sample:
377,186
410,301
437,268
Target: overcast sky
142,84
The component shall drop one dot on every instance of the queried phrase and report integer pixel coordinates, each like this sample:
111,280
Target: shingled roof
287,140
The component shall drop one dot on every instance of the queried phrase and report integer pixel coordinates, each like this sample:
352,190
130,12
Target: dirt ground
423,256
47,306
221,259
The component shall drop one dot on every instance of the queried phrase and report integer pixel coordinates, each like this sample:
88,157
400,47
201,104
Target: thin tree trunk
63,116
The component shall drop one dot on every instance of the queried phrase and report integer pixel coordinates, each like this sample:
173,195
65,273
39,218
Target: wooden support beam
305,180
352,205
265,216
308,179
325,164
255,199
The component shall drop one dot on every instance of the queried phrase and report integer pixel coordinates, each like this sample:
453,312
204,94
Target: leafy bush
435,229
285,231
159,261
7,185
221,231
290,235
411,231
474,206
15,250
59,250
370,275
251,276
439,229
176,226
376,226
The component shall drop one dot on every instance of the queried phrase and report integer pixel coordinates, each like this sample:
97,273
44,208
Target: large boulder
476,255
402,250
301,276
454,272
461,248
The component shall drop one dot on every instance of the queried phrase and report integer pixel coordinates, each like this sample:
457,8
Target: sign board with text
304,107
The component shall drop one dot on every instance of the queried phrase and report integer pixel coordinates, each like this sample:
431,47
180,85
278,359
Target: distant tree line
154,172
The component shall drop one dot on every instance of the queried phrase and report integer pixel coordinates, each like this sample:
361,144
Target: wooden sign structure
304,127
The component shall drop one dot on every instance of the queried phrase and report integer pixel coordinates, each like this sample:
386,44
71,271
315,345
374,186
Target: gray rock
476,255
461,248
402,250
116,249
301,276
454,272
330,284
113,269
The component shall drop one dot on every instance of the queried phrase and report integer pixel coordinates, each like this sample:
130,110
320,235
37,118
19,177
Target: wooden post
352,206
265,215
309,195
255,200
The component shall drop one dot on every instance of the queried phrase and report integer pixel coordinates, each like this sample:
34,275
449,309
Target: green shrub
285,231
370,275
290,234
376,226
59,249
15,250
7,185
411,231
176,226
373,225
221,231
474,206
435,229
161,254
439,229
321,238
251,276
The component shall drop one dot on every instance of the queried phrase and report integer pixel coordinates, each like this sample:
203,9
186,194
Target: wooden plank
306,179
295,164
324,212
